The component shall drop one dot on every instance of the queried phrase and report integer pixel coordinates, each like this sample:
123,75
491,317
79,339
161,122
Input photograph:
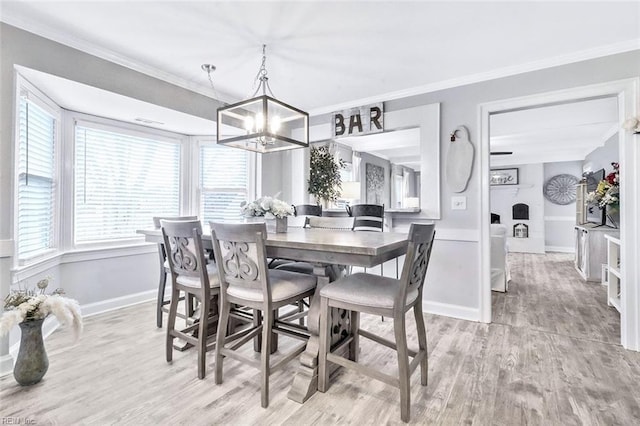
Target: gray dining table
323,248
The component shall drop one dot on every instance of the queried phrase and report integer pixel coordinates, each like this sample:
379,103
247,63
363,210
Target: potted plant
325,182
269,208
28,308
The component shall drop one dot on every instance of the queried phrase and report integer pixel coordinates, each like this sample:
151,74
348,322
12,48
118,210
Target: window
122,180
224,181
36,178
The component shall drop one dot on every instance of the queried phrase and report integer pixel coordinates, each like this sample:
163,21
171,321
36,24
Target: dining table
324,249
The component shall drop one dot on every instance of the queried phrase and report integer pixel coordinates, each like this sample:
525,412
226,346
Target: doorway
626,94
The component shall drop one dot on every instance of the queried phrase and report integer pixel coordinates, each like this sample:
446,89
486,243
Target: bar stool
384,296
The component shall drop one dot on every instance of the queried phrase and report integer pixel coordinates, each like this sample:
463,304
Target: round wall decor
561,189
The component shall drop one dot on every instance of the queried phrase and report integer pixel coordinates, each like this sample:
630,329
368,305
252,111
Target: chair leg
267,325
354,346
202,338
422,343
223,319
325,345
171,321
160,303
403,366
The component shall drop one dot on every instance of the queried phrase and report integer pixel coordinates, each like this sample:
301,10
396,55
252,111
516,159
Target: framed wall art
503,176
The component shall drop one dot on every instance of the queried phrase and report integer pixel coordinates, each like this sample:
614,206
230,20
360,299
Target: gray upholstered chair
246,280
164,268
389,297
192,275
324,222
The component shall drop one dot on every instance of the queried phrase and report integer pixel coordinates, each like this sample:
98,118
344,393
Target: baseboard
454,311
560,249
117,303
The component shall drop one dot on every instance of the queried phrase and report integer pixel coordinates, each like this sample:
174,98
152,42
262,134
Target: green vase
32,362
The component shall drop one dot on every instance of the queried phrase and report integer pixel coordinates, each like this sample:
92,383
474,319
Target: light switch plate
459,203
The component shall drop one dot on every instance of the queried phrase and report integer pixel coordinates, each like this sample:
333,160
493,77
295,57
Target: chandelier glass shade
263,124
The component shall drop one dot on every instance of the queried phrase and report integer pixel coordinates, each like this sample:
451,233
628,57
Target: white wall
528,191
560,219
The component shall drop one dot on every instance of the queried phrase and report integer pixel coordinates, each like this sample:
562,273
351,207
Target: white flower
9,319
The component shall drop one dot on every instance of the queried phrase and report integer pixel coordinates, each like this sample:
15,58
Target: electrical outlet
458,203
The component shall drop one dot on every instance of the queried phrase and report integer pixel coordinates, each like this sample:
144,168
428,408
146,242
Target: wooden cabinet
613,271
591,250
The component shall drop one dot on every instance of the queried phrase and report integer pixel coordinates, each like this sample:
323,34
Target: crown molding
579,56
109,55
50,33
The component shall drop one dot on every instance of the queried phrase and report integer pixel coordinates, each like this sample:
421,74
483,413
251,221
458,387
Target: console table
591,250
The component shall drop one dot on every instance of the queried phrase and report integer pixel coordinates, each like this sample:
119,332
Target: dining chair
308,210
195,277
246,280
389,297
367,217
164,268
322,222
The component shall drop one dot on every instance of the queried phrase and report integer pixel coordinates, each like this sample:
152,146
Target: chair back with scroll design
414,270
367,217
164,267
185,252
242,259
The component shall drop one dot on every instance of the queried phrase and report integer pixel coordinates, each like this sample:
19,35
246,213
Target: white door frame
627,94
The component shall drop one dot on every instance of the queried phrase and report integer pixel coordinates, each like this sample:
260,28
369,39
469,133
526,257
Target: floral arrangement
268,207
30,305
607,194
632,124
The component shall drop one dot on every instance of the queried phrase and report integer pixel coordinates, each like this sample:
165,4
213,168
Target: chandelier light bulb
275,124
259,122
248,123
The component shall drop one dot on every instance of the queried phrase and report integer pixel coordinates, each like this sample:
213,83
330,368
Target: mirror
387,165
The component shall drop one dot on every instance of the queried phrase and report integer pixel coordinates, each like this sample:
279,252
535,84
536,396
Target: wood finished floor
551,358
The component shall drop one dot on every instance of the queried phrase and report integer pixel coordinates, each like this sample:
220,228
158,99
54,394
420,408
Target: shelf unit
613,271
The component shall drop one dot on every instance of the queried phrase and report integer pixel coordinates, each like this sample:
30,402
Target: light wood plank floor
549,358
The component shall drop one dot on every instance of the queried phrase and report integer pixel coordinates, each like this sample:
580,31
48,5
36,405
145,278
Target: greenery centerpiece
325,182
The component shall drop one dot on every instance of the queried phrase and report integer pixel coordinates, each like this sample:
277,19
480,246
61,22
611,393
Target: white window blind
121,182
224,182
36,183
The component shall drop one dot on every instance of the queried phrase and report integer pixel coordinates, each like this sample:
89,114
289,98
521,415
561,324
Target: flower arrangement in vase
607,194
28,308
269,208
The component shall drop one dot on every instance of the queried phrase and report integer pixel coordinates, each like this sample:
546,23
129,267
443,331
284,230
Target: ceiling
324,56
328,55
566,132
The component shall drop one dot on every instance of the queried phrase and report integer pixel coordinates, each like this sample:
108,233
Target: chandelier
262,123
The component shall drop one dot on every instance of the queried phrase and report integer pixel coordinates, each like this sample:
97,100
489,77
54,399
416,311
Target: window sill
42,264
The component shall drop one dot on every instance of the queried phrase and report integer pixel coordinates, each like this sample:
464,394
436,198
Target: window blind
223,182
121,182
36,185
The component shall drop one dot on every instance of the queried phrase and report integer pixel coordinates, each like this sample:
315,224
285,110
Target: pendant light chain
262,75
